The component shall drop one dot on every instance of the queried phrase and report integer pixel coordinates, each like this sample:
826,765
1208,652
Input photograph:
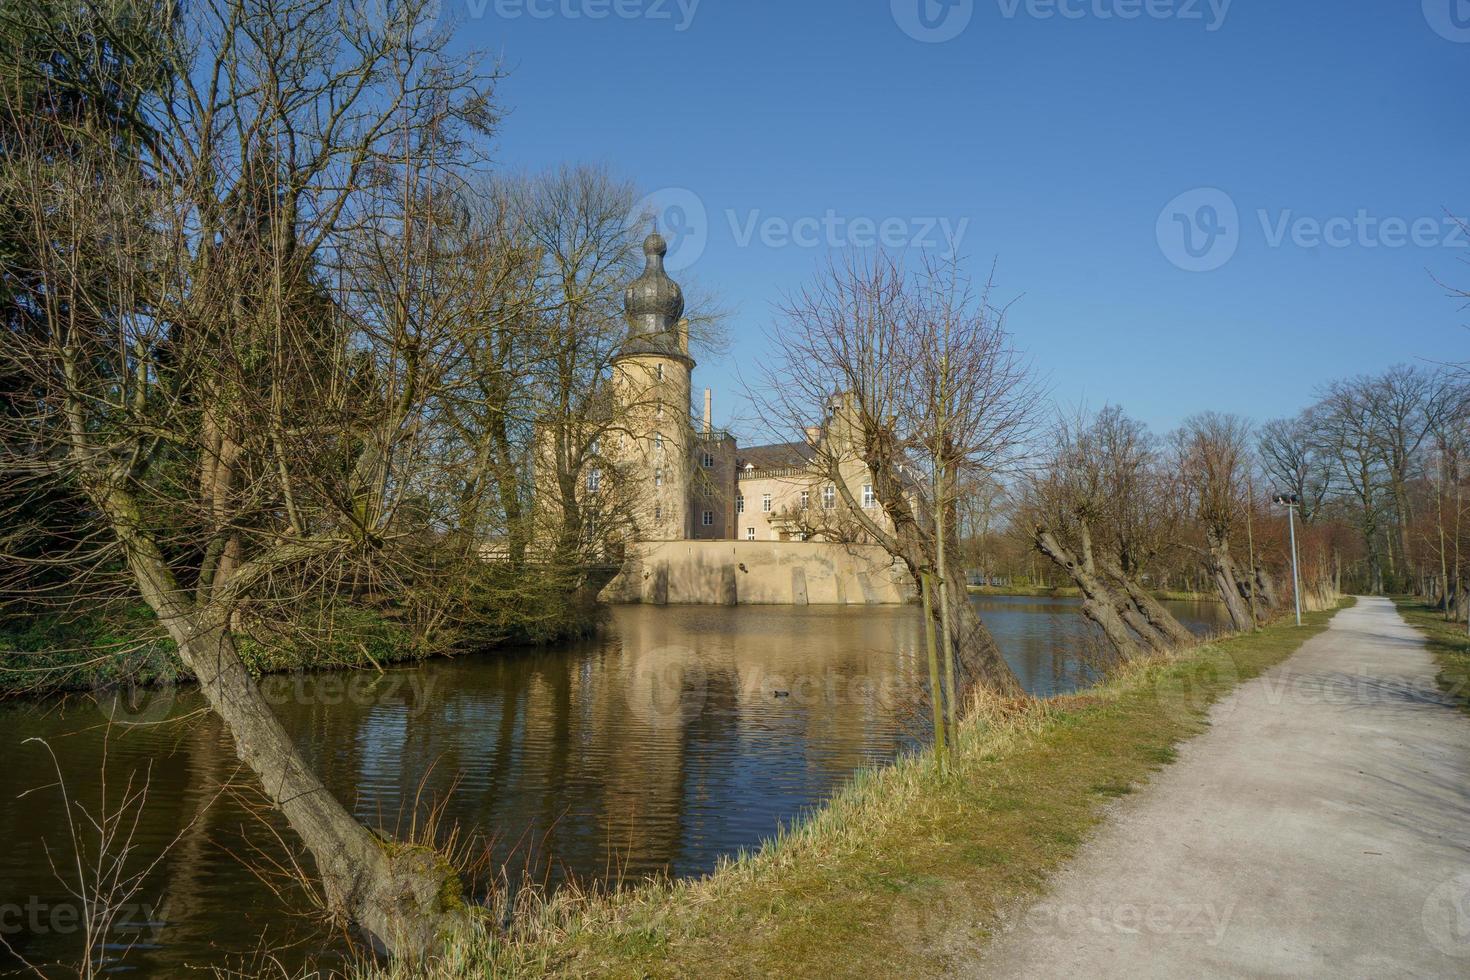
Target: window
709,461
868,496
658,440
594,480
750,534
659,372
708,520
740,503
806,499
658,512
658,476
829,497
802,536
659,412
594,446
766,502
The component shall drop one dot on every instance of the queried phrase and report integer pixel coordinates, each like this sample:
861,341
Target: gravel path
1321,827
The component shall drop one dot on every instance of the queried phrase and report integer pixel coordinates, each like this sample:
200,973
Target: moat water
679,735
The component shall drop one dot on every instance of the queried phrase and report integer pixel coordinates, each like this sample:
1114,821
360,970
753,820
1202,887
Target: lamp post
1291,502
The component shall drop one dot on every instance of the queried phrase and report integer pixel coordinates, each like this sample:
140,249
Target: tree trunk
1158,617
406,897
1153,610
976,653
936,688
1098,602
1267,586
1139,624
1222,570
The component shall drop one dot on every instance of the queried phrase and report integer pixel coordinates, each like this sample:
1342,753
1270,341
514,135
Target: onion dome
654,302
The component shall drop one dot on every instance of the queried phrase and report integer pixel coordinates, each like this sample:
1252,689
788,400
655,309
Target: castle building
694,482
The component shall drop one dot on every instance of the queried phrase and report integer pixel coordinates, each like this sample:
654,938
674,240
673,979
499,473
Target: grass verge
1448,643
913,867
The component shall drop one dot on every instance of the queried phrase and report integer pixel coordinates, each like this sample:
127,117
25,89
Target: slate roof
776,454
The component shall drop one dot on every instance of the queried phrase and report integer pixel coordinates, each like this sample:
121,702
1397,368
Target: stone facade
732,573
697,484
691,485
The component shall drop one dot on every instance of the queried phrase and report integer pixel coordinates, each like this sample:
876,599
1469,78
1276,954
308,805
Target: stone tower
652,377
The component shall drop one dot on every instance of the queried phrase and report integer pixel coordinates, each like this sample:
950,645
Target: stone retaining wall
781,573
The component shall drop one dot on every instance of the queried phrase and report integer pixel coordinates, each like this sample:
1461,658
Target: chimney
709,410
813,434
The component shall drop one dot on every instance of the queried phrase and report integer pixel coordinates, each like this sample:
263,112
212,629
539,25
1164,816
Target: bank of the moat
677,737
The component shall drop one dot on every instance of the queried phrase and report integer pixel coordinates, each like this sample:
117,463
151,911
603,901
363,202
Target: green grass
1448,643
913,867
107,644
121,643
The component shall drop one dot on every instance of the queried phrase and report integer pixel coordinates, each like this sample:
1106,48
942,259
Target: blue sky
1308,149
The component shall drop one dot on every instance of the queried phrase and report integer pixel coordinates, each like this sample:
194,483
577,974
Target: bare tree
1409,404
851,348
1064,502
1212,452
1292,457
1101,510
240,435
1345,432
